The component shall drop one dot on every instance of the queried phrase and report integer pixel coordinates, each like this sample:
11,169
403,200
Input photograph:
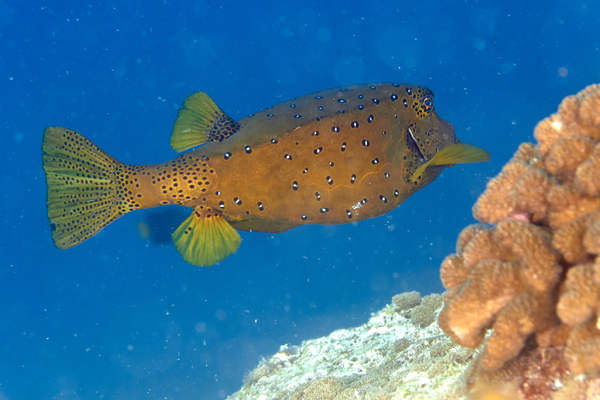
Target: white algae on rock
400,353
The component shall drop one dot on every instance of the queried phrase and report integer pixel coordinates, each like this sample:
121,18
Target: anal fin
206,238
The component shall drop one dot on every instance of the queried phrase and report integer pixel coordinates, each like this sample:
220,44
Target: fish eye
427,103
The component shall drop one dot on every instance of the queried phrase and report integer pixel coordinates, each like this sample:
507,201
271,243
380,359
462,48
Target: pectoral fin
460,153
206,238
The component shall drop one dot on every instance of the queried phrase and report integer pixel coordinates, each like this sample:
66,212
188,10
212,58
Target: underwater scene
336,200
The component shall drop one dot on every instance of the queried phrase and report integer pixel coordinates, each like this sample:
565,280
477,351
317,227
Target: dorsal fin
199,121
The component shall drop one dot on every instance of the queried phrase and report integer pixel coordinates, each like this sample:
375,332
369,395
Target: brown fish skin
297,164
332,157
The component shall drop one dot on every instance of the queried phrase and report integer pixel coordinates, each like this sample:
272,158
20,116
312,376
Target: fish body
332,157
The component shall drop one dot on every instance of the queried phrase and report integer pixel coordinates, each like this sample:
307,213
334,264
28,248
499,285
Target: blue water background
122,316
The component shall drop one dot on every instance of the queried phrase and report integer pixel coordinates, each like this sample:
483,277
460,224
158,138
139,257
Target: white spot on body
357,206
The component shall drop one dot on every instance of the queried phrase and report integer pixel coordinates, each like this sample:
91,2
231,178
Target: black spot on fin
84,192
199,121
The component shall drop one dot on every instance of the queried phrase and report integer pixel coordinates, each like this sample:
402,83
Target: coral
321,389
422,311
286,355
400,345
511,271
539,373
535,273
523,291
580,300
406,300
425,313
389,357
520,189
583,349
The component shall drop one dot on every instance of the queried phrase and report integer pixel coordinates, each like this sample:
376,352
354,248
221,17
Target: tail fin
83,187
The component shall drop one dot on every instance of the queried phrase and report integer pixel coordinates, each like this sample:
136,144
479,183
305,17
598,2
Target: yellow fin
460,153
206,238
82,186
199,121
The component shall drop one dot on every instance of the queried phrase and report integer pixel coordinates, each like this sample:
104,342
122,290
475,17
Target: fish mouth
411,135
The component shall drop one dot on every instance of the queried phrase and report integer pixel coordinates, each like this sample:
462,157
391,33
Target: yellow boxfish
332,157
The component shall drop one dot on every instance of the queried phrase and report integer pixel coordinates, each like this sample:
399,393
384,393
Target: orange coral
511,271
537,270
583,349
580,300
520,188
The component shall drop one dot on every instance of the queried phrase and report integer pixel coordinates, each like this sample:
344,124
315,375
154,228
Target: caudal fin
83,187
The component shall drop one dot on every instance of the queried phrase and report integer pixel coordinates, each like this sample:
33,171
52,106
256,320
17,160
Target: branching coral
536,271
510,271
520,189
